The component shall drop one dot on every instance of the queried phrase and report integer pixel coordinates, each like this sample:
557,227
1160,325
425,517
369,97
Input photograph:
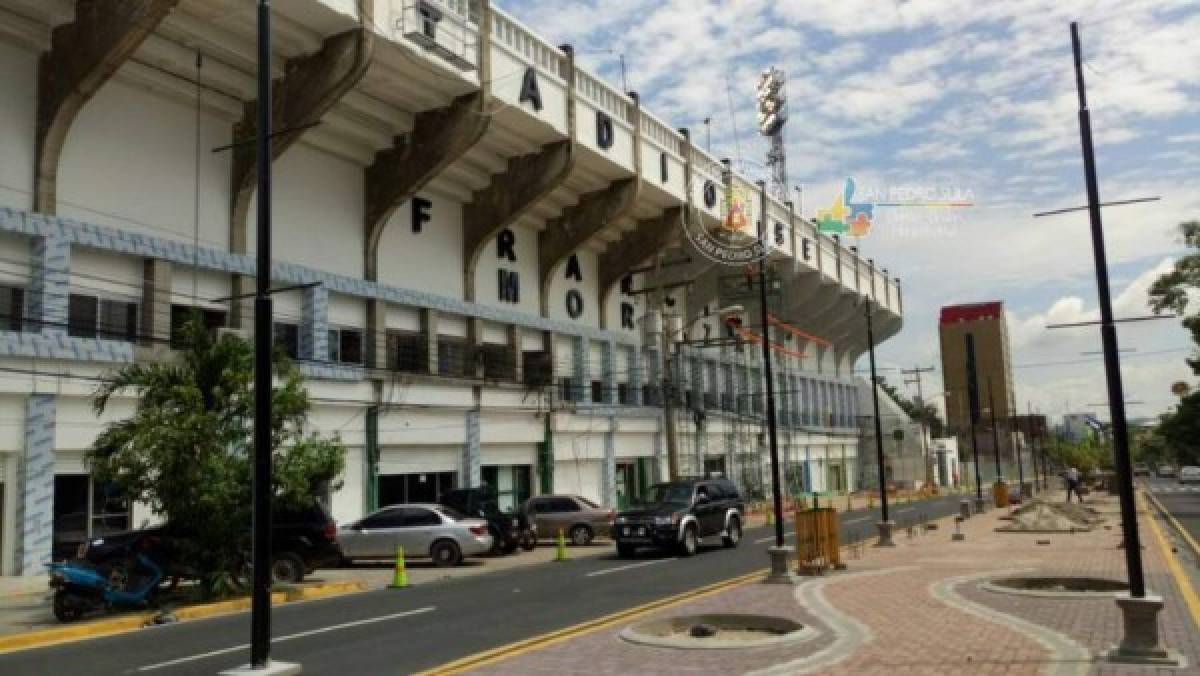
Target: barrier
400,573
818,541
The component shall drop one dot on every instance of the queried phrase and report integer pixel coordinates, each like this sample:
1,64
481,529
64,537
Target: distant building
984,326
1079,426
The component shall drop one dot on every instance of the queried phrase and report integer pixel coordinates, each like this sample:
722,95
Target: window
182,314
454,357
388,518
84,509
345,346
429,20
597,391
419,516
497,362
563,505
539,370
407,351
92,317
287,339
624,394
651,395
566,389
12,308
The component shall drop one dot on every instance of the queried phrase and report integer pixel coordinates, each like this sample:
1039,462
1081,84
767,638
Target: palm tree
186,450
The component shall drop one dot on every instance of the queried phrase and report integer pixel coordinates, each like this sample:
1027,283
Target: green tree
1179,430
187,449
920,412
1170,291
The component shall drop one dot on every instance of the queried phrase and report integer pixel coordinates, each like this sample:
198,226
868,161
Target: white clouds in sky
973,95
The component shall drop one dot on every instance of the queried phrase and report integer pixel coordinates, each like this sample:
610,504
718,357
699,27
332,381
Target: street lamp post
1139,609
995,432
779,553
885,523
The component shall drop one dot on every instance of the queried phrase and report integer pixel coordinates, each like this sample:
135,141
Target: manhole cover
1057,587
721,632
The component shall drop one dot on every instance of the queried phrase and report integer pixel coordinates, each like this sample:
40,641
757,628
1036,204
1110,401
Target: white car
424,530
1189,474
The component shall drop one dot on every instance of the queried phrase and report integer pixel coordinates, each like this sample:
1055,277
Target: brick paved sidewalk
916,609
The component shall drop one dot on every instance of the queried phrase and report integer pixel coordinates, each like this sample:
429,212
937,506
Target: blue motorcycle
129,579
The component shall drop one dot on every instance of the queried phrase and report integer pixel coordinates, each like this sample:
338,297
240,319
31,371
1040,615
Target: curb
130,621
1179,529
1190,598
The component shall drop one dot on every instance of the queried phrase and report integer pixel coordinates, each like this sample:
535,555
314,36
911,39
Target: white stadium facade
476,238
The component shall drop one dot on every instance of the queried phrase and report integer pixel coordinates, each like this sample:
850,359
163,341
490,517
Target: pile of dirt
1045,517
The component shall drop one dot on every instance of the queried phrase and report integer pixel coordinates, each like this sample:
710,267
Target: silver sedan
423,530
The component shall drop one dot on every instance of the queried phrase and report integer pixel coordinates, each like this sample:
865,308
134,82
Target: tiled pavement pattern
912,630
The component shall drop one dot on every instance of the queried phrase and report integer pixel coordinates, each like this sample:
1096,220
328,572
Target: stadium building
480,247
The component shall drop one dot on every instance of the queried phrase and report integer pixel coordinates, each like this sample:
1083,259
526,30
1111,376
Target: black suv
681,514
301,541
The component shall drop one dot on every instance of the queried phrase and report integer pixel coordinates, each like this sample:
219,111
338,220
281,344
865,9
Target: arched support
649,238
438,138
579,223
311,85
526,180
84,54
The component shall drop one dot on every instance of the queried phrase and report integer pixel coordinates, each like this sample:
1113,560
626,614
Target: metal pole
883,500
995,432
772,434
260,618
1108,333
975,453
1010,409
668,387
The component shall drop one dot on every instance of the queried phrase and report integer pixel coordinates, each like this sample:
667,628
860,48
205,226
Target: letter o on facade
574,304
710,194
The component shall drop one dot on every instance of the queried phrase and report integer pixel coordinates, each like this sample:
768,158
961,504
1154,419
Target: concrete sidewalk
918,608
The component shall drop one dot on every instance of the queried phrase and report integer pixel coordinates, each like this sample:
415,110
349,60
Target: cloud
977,96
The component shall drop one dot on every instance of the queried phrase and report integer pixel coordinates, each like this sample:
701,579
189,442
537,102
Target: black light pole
776,486
260,617
995,431
973,415
1108,333
1140,643
885,523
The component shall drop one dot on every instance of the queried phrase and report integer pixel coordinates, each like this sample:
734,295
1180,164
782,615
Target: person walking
1073,478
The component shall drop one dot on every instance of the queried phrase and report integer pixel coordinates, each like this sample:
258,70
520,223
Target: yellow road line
1175,523
1181,579
545,640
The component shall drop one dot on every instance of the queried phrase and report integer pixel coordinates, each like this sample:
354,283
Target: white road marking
627,566
904,511
858,520
772,537
289,637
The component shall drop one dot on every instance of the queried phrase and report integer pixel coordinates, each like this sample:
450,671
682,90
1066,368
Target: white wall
107,275
318,212
18,115
430,260
130,161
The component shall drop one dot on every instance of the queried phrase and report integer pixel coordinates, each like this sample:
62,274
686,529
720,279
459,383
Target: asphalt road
402,631
1181,500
